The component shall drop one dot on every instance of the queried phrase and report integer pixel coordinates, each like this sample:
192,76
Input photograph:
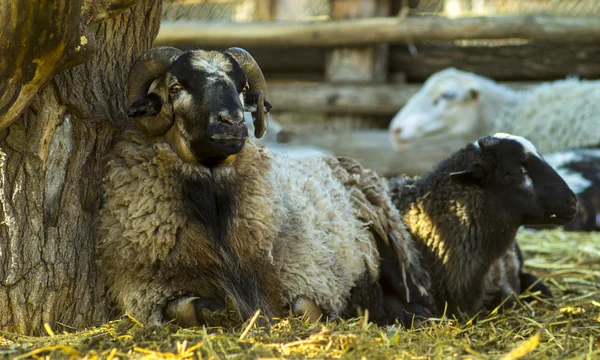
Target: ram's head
195,100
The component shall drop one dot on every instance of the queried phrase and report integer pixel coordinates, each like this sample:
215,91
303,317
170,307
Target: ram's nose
231,117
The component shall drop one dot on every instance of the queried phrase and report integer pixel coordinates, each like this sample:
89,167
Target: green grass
566,327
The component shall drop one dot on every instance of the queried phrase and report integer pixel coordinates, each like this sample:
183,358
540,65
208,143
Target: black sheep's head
517,181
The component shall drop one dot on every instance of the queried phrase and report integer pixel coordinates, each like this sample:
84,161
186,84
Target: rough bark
50,168
42,39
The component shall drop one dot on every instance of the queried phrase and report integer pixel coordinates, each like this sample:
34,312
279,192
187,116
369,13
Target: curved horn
258,88
151,65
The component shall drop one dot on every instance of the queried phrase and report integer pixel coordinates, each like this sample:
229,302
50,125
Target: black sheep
465,214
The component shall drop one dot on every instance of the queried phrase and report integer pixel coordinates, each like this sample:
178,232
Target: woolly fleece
296,225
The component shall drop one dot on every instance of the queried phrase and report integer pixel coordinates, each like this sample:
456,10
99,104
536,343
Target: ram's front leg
190,311
305,306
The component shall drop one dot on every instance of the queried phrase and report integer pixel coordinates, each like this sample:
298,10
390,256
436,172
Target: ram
556,116
194,212
465,214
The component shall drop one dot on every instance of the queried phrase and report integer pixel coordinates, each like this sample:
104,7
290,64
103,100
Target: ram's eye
246,87
174,89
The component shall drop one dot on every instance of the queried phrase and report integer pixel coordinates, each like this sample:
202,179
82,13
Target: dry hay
566,327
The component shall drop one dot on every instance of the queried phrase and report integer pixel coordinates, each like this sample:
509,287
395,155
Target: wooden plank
356,32
307,64
502,63
366,99
373,150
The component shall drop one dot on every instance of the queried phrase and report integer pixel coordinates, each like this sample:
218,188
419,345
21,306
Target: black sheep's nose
228,118
572,201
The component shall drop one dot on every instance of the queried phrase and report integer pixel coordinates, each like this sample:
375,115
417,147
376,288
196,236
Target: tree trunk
51,171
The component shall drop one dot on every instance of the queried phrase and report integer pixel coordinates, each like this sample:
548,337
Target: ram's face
195,101
206,90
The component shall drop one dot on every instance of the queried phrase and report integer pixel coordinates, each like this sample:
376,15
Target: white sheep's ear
472,94
472,176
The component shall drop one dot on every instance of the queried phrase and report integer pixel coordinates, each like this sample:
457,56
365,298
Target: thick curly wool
322,248
150,251
294,231
503,278
555,116
373,206
450,231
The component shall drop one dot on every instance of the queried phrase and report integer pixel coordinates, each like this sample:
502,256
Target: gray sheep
194,212
465,214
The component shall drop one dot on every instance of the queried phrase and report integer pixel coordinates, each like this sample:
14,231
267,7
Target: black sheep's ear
147,105
474,175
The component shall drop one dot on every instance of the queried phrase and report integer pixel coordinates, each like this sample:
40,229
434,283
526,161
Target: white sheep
556,115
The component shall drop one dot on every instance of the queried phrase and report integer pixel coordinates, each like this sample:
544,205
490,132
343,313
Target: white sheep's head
195,100
448,103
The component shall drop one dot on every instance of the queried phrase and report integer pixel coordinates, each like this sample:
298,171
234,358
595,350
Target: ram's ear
473,175
261,115
256,99
147,105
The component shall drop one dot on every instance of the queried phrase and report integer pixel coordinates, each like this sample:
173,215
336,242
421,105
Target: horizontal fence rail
367,99
549,29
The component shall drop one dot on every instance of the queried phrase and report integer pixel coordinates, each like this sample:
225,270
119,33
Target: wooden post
264,10
456,8
357,64
290,10
252,10
365,64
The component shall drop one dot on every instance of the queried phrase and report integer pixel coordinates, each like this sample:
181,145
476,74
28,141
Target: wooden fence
354,72
360,32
